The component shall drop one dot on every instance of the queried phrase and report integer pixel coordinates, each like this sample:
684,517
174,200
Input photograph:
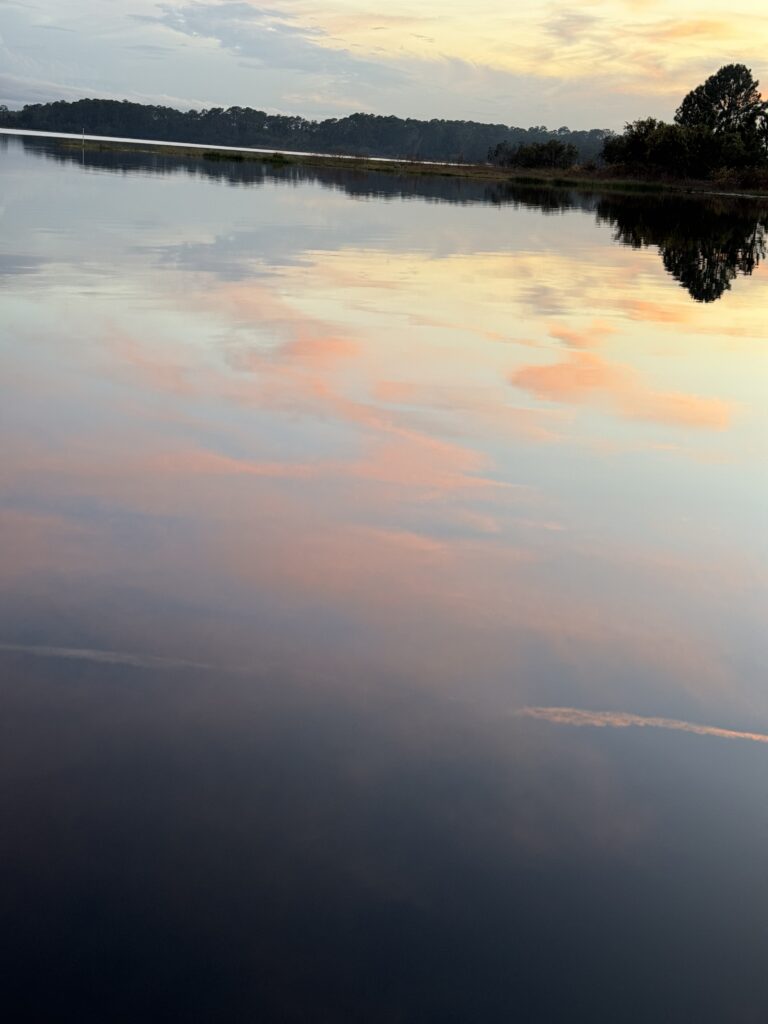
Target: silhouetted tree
729,101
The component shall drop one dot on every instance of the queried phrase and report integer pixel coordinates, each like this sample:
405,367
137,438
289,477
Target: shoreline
579,178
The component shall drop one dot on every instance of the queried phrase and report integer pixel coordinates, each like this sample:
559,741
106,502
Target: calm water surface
352,529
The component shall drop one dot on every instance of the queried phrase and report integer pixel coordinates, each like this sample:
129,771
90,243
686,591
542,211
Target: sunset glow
587,65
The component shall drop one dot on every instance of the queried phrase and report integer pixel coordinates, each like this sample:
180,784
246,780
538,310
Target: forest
358,134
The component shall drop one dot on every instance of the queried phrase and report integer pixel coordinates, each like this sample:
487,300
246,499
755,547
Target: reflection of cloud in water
104,657
11,263
585,376
704,243
625,720
333,438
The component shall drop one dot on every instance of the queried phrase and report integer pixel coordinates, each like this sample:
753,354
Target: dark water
382,598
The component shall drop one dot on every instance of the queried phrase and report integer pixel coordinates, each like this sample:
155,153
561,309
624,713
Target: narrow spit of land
600,177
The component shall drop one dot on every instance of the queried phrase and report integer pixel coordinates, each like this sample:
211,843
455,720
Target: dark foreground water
382,599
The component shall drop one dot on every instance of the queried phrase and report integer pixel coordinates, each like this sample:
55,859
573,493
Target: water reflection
341,544
705,246
186,844
705,243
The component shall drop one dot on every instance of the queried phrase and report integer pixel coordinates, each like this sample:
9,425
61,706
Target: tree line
720,131
357,134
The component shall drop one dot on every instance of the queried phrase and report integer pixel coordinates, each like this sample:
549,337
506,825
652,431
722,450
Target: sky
595,63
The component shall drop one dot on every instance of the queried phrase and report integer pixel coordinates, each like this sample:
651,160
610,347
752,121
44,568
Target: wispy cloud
569,26
582,339
104,657
19,89
586,65
626,720
710,29
272,37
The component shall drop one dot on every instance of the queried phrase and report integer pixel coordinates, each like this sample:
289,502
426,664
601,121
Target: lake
383,586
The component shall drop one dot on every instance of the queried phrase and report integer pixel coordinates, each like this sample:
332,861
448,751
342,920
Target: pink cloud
586,377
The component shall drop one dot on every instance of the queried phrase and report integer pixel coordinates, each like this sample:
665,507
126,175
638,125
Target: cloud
626,720
16,90
18,263
582,339
104,657
151,51
697,28
657,312
569,26
271,37
602,65
586,377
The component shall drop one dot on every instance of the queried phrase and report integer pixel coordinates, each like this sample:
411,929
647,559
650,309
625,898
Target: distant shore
600,178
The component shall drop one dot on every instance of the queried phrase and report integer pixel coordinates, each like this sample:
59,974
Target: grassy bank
600,179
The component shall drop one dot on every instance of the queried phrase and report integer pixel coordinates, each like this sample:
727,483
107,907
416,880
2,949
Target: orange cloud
585,376
655,312
582,339
571,381
693,28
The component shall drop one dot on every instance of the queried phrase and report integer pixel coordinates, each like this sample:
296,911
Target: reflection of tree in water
704,244
537,197
354,181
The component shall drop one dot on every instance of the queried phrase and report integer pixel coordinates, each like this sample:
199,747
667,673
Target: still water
383,577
